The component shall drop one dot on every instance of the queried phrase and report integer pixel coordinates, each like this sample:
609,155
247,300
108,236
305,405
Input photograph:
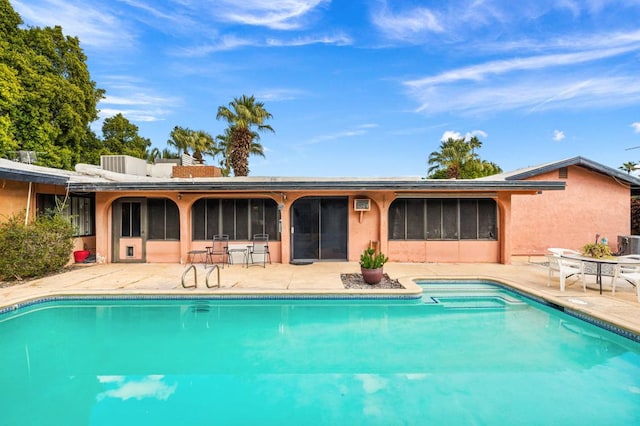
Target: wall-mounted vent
563,173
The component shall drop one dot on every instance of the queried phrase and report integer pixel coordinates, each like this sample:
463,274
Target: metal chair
259,247
220,247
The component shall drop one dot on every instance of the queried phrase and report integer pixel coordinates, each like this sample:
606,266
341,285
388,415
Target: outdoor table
244,251
201,253
599,261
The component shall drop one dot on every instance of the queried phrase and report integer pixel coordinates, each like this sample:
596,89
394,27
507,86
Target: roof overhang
33,176
238,185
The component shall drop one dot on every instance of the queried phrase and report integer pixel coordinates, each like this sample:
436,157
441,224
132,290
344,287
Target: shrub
635,216
36,249
370,260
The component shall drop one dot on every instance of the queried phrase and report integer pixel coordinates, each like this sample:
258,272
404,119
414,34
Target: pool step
468,295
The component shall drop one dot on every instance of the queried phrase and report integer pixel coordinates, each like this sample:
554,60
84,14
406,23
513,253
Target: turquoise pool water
479,356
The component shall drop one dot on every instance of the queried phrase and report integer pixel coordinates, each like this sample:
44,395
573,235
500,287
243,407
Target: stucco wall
591,204
445,251
14,198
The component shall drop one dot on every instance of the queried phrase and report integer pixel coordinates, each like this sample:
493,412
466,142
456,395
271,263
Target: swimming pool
482,355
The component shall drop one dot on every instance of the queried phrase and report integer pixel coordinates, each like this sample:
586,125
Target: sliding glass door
320,228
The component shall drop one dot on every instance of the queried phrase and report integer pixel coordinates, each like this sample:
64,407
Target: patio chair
631,273
565,269
220,248
560,251
259,247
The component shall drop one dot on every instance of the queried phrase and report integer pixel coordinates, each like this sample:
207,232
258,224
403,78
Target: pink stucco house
128,211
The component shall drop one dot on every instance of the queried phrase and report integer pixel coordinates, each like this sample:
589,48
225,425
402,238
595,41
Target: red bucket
80,255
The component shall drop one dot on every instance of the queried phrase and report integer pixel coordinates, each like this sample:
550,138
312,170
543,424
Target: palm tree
202,142
629,166
198,141
451,159
457,159
224,147
243,115
179,139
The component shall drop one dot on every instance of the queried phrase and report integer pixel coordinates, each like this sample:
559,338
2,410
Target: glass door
320,228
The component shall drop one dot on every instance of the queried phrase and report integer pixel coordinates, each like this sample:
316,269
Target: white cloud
232,42
558,135
486,70
94,26
339,39
407,24
636,126
131,98
359,130
530,92
276,95
146,387
274,14
221,44
452,134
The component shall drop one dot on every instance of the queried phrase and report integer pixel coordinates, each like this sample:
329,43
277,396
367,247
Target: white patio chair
565,269
560,251
628,272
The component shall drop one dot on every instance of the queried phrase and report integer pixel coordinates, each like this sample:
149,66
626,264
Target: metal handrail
195,276
217,268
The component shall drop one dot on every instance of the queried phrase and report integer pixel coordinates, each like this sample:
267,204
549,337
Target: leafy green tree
48,98
629,166
243,115
457,159
120,136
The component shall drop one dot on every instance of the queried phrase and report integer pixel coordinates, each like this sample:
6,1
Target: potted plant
371,266
597,250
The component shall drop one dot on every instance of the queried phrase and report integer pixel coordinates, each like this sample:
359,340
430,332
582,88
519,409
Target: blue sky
370,88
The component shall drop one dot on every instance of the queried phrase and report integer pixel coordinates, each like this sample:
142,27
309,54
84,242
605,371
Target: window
130,219
79,209
163,219
443,219
239,218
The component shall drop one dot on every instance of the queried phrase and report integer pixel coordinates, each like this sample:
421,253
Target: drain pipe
26,217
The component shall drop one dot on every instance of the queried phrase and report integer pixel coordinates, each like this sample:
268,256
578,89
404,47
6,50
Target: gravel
356,281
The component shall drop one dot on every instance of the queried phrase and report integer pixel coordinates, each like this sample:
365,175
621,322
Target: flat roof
95,179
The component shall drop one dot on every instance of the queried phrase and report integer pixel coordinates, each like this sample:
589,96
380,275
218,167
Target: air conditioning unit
124,164
362,204
27,157
628,244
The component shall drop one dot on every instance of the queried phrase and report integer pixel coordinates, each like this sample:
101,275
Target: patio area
525,274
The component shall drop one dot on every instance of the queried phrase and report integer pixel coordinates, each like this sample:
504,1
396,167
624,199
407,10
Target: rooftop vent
124,164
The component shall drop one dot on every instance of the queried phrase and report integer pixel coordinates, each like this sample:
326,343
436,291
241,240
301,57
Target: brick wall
196,171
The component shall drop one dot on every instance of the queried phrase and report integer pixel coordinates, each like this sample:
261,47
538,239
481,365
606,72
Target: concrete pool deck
525,274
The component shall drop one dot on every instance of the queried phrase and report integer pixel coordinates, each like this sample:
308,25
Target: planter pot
371,276
80,255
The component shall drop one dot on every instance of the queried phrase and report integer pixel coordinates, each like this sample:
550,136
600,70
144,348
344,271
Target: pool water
479,356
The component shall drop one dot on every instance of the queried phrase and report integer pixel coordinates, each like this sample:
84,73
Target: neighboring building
152,217
596,200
